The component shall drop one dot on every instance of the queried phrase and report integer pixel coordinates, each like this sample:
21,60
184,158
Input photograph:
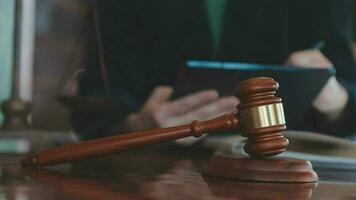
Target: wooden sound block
261,170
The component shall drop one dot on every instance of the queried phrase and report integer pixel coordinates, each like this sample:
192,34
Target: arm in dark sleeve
123,49
338,50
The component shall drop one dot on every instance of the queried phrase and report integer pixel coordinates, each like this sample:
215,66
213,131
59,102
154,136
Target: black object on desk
298,86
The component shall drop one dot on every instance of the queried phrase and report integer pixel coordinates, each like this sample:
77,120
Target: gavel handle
108,145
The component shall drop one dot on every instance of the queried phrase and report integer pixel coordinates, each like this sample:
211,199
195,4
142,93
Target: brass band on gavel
263,116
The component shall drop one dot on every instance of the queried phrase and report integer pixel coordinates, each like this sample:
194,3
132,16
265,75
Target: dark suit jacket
147,41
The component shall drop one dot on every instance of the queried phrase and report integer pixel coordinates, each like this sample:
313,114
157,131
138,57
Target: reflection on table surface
156,173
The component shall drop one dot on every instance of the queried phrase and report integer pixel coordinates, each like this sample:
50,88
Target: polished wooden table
164,172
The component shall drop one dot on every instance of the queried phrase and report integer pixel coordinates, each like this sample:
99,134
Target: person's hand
333,98
159,111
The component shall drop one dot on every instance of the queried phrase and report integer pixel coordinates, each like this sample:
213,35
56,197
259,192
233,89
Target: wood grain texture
161,173
261,141
260,190
79,188
109,145
261,170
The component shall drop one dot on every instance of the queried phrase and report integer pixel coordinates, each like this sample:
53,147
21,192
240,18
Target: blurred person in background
147,41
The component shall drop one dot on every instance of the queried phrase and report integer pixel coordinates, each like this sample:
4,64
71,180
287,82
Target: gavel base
260,170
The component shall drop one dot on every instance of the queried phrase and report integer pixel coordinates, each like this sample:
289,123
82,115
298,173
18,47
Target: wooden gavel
260,115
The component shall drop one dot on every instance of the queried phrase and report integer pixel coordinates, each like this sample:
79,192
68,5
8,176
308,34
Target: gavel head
261,117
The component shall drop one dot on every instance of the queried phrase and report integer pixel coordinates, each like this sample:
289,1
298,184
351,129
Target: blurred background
64,31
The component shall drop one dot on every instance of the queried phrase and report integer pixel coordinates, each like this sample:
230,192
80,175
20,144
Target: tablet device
298,86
